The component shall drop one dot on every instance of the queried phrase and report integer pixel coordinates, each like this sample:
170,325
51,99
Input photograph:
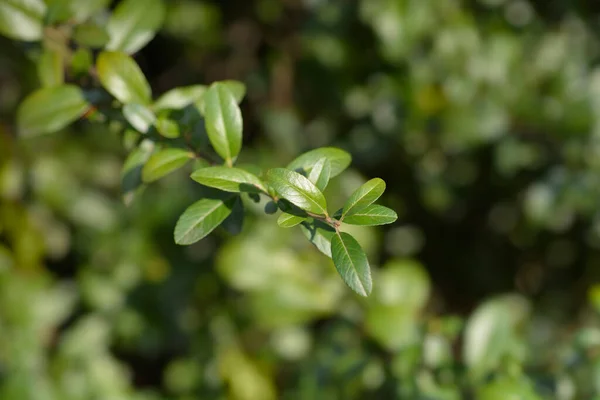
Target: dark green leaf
338,158
131,175
320,173
319,234
202,217
363,197
90,35
51,68
179,98
235,222
50,109
351,263
164,162
122,77
372,215
139,116
22,20
167,128
286,220
134,23
229,179
297,189
223,122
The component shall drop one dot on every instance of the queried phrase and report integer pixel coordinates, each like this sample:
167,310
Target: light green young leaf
134,23
164,162
179,98
77,10
351,263
320,173
90,35
286,220
121,76
338,158
51,68
167,128
139,116
372,215
223,120
319,234
22,19
229,179
202,217
298,190
363,197
50,109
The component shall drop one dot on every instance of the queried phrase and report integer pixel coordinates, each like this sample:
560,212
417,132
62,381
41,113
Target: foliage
480,116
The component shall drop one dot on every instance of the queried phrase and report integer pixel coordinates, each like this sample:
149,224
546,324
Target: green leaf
237,89
22,19
77,10
178,98
491,333
372,215
351,263
131,175
50,109
134,23
202,217
223,120
297,189
167,128
320,173
229,179
164,162
363,197
235,221
319,234
90,35
286,220
139,116
338,158
121,76
51,68
81,62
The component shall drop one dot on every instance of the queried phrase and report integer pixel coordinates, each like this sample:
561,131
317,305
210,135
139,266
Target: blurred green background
483,117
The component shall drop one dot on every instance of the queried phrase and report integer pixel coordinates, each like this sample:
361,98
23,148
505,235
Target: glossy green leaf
167,128
134,23
363,197
121,76
223,120
372,215
229,179
90,35
298,190
319,234
491,332
286,220
139,116
237,89
51,68
50,109
320,173
179,98
351,263
338,158
22,19
164,162
201,218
